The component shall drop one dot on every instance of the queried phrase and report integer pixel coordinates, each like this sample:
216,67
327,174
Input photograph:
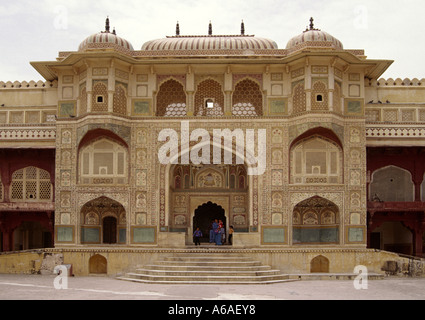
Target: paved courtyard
37,287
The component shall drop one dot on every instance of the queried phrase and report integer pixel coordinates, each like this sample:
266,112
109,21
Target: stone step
207,282
217,258
334,276
214,268
204,278
206,269
209,263
196,273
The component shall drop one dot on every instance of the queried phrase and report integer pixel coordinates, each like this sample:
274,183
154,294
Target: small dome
312,37
105,39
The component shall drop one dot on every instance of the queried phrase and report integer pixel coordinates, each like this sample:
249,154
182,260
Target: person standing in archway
231,230
212,240
217,235
222,232
197,235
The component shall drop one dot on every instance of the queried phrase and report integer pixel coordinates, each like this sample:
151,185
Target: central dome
312,37
210,42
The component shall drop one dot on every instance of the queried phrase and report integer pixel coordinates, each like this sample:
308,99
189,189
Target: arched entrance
103,221
204,217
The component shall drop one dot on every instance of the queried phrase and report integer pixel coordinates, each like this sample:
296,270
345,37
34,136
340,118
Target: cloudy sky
38,30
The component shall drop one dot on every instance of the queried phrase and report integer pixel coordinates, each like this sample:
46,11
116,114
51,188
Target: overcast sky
38,30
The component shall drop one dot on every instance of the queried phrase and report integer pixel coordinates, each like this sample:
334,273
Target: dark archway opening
204,216
110,230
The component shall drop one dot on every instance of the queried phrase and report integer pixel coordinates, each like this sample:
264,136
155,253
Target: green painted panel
355,234
123,235
144,235
354,107
273,235
315,235
67,109
90,235
65,234
141,107
277,106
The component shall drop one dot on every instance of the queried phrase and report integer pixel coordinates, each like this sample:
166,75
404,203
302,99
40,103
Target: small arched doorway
98,264
110,230
319,264
204,217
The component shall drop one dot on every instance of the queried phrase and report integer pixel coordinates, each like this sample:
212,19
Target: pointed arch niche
171,99
103,159
316,160
393,184
316,221
103,221
186,187
247,99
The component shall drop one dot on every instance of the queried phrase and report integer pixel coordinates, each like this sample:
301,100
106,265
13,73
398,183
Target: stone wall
113,262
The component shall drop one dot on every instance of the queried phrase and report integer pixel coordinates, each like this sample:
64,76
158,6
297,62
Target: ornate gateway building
303,150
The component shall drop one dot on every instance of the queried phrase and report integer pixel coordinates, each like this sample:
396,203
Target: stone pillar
111,88
331,86
7,239
307,87
189,104
417,242
89,89
228,103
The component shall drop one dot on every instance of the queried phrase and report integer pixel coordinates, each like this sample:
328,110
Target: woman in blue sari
217,234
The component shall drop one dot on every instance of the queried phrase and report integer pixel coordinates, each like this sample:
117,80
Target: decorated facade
79,157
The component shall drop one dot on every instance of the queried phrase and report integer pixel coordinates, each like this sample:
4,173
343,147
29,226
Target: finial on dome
114,32
311,27
177,29
242,28
107,27
311,23
210,29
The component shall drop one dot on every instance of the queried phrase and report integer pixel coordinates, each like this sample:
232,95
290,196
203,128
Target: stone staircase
206,269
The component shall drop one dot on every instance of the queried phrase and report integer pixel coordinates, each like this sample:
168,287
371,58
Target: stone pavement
38,287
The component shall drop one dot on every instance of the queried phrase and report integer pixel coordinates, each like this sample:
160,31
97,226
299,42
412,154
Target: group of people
217,233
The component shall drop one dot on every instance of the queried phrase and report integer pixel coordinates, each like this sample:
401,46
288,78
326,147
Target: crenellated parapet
28,85
396,83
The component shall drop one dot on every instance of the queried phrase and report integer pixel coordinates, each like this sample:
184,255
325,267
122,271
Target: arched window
316,160
392,184
247,99
31,184
209,91
103,162
100,97
171,100
319,97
